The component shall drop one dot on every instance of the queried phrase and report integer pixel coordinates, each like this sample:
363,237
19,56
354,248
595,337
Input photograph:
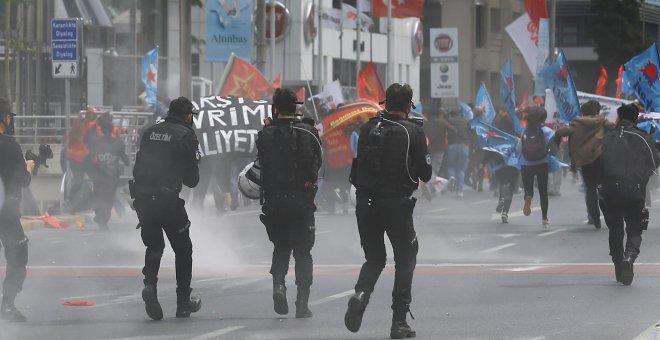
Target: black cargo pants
375,217
618,211
165,214
15,242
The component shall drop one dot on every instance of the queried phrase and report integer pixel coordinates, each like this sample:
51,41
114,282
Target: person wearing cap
15,173
585,135
392,158
289,152
628,160
106,153
167,159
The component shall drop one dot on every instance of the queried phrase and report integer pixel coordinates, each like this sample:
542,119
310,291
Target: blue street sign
65,45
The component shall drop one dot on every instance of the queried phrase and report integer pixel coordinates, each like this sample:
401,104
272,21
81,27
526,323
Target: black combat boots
279,295
617,268
627,272
400,328
186,304
151,304
302,308
356,307
9,312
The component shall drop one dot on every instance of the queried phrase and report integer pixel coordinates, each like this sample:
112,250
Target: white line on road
524,269
323,232
481,202
238,213
498,248
331,297
215,334
435,210
507,235
548,233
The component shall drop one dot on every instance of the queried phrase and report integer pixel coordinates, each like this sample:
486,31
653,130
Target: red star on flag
151,75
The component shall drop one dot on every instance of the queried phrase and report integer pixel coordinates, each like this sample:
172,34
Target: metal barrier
34,130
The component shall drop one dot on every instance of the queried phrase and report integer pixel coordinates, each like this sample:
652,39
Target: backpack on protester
534,147
625,164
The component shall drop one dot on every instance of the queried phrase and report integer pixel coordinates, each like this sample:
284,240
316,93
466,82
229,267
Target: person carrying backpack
534,148
628,161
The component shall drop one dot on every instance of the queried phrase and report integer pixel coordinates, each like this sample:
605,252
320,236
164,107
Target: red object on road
79,303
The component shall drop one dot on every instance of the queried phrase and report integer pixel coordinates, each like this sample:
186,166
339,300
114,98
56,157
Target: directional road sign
66,37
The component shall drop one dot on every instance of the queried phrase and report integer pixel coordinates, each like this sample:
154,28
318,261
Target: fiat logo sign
443,43
282,20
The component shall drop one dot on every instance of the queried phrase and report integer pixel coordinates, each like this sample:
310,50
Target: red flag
536,9
300,94
277,83
400,8
242,79
369,85
619,82
602,81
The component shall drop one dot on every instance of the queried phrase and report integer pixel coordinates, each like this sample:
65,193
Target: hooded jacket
585,135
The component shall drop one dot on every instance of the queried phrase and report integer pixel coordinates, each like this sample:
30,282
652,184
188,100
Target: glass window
480,28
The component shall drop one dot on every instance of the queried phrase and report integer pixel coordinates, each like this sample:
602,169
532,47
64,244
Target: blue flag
642,73
508,95
649,126
149,76
559,80
465,109
495,140
485,104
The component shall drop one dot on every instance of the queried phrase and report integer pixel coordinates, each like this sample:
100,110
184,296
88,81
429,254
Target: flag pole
388,76
319,56
358,42
272,39
316,114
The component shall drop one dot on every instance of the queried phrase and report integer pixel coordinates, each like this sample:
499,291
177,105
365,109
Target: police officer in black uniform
15,173
289,152
629,159
167,158
392,157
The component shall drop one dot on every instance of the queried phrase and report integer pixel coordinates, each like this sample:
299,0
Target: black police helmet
181,107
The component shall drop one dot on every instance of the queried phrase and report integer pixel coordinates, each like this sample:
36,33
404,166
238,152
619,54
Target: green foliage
198,3
616,31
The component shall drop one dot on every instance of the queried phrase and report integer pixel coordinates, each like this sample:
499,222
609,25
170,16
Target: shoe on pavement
151,304
500,205
617,271
545,224
356,307
627,272
401,330
9,312
527,209
505,218
186,304
452,184
279,299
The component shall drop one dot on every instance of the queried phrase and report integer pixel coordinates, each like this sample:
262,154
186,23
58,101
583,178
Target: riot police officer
628,160
168,157
15,173
392,157
289,152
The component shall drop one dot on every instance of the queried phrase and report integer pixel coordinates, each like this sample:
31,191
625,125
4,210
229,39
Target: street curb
650,333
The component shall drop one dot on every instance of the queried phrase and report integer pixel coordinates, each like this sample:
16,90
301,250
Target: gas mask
9,128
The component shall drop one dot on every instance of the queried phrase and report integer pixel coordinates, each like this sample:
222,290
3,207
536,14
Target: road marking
507,235
649,333
498,248
481,202
221,331
435,210
323,232
247,246
548,233
513,214
331,297
523,269
238,213
656,201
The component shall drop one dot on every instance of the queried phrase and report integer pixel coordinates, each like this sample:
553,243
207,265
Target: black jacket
167,158
106,155
13,171
381,166
436,130
461,132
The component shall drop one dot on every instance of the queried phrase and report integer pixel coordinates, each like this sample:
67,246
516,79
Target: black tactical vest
160,160
289,155
382,166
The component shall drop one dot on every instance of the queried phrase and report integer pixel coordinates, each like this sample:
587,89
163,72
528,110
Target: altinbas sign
228,29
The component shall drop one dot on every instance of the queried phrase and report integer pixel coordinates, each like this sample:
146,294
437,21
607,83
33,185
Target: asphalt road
476,279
